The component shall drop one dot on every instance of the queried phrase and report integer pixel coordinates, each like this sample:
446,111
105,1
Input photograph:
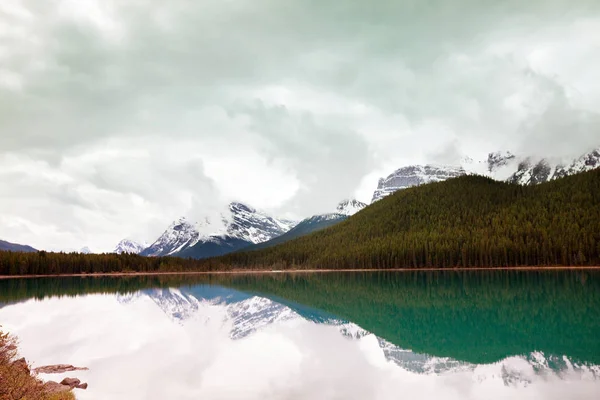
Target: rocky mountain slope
531,171
414,175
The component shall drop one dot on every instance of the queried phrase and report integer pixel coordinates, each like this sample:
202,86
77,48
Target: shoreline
299,271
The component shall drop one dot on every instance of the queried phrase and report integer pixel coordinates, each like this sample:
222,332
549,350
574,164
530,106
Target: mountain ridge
500,166
8,246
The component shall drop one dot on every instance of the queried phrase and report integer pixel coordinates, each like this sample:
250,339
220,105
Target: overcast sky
118,116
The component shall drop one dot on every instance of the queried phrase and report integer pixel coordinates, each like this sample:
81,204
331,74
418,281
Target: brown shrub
16,380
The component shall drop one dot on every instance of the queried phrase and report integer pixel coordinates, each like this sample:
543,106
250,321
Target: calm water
452,335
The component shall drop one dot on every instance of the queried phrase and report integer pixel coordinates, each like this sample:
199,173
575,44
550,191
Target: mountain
254,226
315,223
180,235
129,246
532,172
7,246
85,250
463,222
349,207
500,166
415,175
239,226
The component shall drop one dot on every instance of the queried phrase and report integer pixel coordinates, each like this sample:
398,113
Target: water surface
499,334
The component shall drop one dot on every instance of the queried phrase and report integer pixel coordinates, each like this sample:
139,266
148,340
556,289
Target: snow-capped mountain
180,235
531,171
253,226
238,226
501,166
415,175
349,207
129,246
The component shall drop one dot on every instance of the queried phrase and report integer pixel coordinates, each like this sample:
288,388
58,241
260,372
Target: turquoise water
516,327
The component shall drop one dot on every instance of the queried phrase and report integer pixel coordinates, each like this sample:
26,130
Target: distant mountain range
7,246
500,166
240,227
243,227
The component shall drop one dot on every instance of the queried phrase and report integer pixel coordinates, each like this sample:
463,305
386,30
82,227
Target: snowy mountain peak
85,250
238,221
240,207
531,171
180,235
254,226
349,207
129,246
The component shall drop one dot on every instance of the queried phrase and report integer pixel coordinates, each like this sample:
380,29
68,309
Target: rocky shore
18,381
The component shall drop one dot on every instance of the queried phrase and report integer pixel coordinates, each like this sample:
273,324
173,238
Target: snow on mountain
415,175
129,246
181,234
239,223
349,207
254,226
501,166
532,171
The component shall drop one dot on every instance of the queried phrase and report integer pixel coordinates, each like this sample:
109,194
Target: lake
371,335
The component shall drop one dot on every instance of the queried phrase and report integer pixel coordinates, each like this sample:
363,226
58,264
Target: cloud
288,105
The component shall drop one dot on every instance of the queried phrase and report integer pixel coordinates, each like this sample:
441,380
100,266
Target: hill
7,246
469,221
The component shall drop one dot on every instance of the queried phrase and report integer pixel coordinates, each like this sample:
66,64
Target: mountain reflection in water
443,334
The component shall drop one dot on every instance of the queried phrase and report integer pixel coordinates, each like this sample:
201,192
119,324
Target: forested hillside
468,221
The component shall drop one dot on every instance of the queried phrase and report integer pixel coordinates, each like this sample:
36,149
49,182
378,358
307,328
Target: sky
119,116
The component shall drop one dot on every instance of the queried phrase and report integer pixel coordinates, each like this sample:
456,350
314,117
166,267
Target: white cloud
148,110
